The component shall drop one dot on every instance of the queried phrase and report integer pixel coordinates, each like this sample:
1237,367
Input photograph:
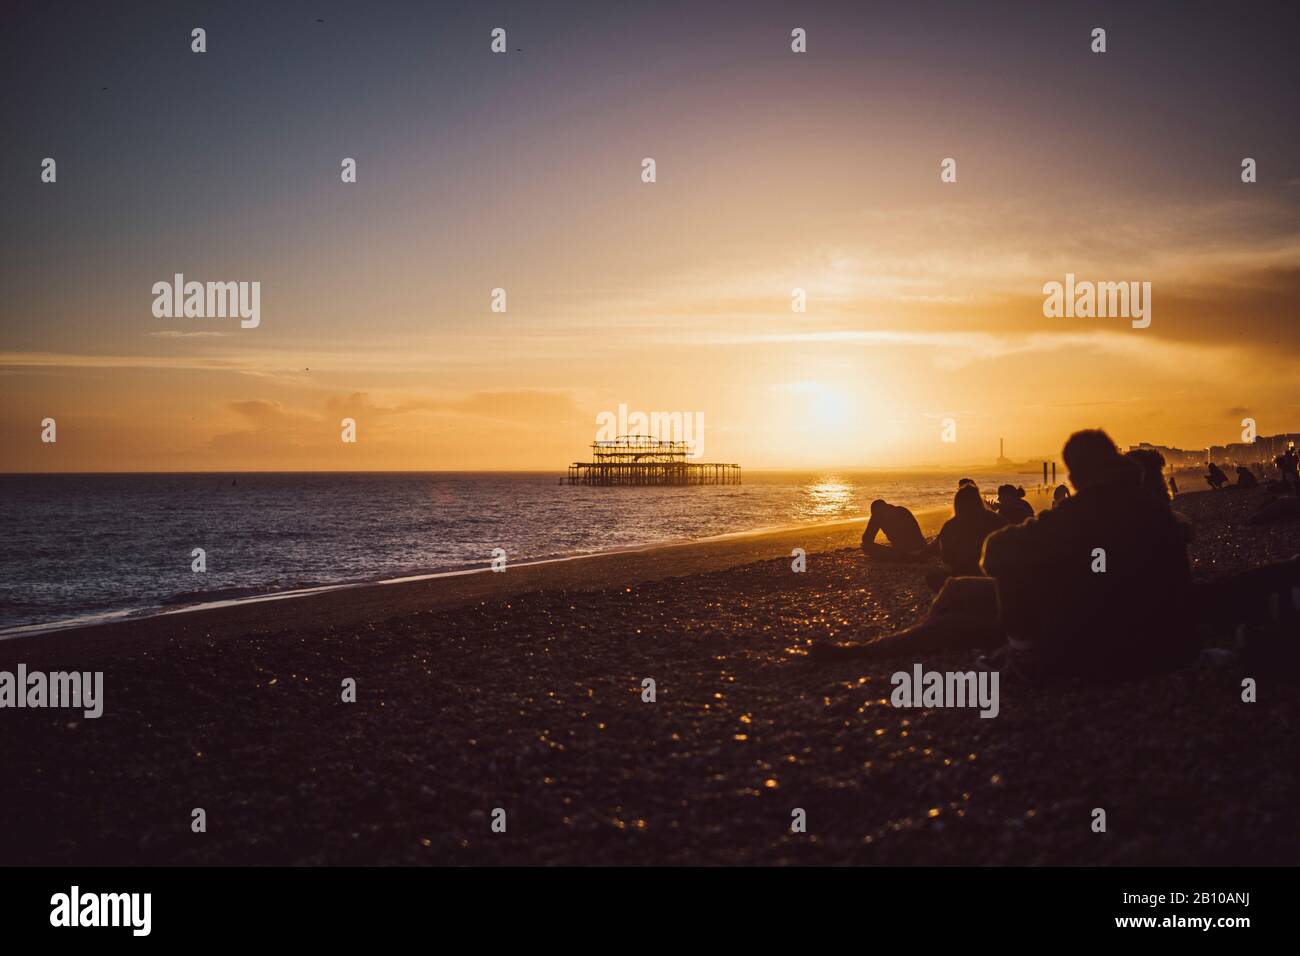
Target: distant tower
1002,456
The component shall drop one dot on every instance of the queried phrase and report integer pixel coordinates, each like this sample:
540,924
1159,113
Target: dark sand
522,690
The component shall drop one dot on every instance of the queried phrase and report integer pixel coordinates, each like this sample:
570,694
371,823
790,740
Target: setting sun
830,409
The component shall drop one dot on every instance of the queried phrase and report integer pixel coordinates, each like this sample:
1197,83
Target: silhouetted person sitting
961,539
1012,504
1060,494
906,543
1152,464
1246,478
1101,586
1216,479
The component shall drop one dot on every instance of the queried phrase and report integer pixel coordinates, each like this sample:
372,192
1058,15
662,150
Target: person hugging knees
961,539
1101,586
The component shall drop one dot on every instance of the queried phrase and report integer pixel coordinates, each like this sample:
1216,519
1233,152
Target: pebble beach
524,692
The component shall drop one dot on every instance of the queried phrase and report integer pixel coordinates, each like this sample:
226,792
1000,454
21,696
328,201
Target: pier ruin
643,460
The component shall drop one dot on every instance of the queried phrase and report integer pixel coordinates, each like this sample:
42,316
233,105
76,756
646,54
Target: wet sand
523,691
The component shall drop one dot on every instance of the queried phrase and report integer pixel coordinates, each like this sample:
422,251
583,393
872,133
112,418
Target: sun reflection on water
829,496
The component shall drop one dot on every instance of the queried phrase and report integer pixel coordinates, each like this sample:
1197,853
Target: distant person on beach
1246,478
1216,479
961,539
1012,504
1060,494
906,543
1173,485
1289,465
1152,464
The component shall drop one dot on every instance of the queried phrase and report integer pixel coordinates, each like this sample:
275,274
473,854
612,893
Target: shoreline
716,552
356,601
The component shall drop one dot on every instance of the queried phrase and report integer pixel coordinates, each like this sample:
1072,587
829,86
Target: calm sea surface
76,547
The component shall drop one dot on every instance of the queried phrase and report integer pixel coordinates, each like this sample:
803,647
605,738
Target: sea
87,548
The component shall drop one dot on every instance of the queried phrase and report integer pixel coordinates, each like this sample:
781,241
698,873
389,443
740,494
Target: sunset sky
523,170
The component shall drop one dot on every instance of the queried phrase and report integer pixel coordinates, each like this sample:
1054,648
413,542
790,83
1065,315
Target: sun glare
830,408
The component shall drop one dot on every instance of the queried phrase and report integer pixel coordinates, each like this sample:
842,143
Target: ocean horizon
91,547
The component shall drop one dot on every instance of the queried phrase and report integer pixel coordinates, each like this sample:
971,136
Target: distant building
1175,458
1261,451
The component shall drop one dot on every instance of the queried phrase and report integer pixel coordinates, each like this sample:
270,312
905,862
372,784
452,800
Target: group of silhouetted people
1286,485
960,539
1217,480
1288,481
1099,585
